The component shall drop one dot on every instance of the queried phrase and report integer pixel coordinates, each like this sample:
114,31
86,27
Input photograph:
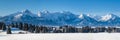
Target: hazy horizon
57,11
98,7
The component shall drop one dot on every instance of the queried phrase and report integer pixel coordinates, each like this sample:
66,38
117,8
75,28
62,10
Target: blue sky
98,7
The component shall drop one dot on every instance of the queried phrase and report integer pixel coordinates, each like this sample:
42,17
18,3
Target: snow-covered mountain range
61,18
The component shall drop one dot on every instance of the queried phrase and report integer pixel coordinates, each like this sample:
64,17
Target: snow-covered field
61,36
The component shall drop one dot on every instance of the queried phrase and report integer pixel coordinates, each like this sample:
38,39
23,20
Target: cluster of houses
61,29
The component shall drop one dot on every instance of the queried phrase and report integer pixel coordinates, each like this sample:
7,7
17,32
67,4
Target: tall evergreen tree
21,26
0,25
16,25
25,27
31,28
9,30
36,29
12,24
3,26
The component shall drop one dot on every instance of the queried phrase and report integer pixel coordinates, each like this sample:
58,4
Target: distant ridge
61,18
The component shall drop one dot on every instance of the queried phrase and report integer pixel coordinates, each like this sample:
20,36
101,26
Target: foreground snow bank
62,36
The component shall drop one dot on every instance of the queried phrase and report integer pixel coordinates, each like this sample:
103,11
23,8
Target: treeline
2,26
62,29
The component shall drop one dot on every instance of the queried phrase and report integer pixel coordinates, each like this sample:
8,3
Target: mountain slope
44,18
61,18
85,20
24,16
110,19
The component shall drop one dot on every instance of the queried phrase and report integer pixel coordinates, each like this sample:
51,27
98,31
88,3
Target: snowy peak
61,18
26,11
18,16
39,14
84,16
45,11
108,17
81,16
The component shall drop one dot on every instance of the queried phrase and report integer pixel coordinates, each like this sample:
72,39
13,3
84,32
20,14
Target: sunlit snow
81,16
18,16
61,36
106,17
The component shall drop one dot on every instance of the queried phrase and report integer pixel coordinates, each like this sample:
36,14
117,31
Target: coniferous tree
3,26
25,27
36,29
16,25
12,24
86,29
9,30
31,28
0,25
21,26
45,30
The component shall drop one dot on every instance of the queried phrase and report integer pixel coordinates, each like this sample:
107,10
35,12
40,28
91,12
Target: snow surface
61,36
18,16
106,17
81,16
39,14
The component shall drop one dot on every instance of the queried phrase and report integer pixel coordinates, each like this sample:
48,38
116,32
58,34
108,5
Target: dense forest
61,29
